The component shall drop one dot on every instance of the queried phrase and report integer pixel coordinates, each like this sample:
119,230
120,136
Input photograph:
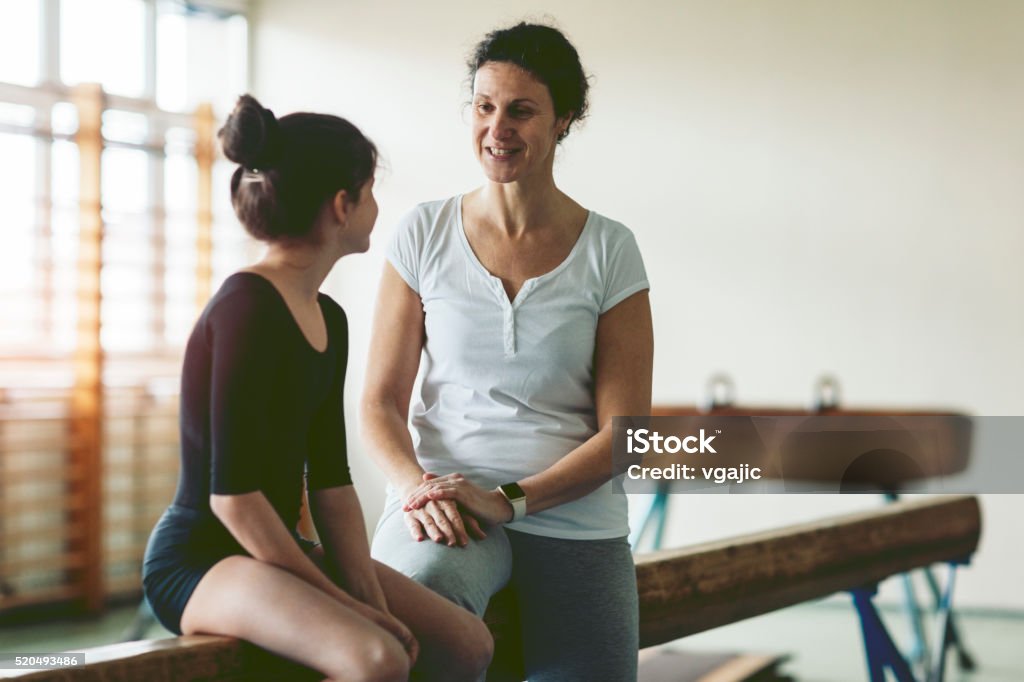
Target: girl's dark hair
548,55
289,167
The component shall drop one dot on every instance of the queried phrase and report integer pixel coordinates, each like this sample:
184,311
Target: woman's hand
441,521
488,506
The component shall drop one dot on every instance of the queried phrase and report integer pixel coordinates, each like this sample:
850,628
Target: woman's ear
340,205
563,123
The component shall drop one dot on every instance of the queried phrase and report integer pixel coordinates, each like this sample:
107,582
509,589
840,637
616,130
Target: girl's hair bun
289,167
251,137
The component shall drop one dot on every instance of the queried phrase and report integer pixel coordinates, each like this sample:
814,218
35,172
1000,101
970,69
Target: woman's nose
503,126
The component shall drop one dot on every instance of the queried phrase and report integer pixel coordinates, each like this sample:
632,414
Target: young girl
262,403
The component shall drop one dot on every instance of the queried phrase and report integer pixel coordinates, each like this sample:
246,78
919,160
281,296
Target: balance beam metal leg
659,530
880,650
656,514
946,635
919,648
964,659
919,643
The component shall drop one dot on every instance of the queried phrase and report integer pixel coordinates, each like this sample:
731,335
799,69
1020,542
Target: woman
532,318
261,401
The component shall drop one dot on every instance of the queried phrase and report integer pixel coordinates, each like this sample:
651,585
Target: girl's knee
479,649
376,659
472,648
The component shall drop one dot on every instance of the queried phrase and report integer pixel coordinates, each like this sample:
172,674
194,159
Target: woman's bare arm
394,359
623,373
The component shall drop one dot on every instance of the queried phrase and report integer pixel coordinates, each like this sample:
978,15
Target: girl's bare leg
245,598
454,644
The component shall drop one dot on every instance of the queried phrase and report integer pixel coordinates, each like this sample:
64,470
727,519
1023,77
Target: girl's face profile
362,215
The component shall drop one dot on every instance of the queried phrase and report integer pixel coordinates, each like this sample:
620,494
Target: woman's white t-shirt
507,387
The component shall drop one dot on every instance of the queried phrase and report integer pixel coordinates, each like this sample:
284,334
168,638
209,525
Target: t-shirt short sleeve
625,273
405,248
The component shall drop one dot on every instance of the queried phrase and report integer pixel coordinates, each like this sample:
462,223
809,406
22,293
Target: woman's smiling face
515,130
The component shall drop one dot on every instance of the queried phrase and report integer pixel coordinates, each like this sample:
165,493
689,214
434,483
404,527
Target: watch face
512,491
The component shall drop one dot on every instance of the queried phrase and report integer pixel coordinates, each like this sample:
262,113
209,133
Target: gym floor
822,640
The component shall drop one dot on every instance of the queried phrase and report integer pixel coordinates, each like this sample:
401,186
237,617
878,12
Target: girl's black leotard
258,406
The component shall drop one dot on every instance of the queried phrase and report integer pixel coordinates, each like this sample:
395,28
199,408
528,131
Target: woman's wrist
508,505
407,486
497,494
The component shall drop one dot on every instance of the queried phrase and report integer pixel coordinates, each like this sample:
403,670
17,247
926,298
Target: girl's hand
488,506
392,626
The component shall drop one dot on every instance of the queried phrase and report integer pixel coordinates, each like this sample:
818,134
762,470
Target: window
93,321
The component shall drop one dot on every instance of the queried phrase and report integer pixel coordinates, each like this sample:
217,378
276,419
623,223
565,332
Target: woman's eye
484,108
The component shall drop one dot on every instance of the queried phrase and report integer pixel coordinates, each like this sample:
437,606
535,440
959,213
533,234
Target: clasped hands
447,509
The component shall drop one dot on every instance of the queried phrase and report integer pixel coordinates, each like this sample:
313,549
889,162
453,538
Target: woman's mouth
502,153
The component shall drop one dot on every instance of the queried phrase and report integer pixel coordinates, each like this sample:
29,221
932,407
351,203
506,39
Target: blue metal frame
919,652
657,513
880,650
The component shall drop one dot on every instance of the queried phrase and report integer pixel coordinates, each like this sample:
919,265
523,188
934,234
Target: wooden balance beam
685,591
682,591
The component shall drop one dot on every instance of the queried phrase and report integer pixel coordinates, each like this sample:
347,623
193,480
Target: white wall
816,187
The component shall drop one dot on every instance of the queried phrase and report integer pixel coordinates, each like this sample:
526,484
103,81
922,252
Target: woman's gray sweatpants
577,598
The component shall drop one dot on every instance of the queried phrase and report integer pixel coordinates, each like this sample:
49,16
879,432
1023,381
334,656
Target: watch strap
516,497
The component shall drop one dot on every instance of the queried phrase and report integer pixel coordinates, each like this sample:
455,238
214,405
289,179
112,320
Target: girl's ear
340,205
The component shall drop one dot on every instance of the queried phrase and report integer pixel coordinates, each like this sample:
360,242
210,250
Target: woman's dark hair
548,55
289,167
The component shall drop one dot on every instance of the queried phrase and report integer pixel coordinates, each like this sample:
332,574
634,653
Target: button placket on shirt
509,331
509,309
